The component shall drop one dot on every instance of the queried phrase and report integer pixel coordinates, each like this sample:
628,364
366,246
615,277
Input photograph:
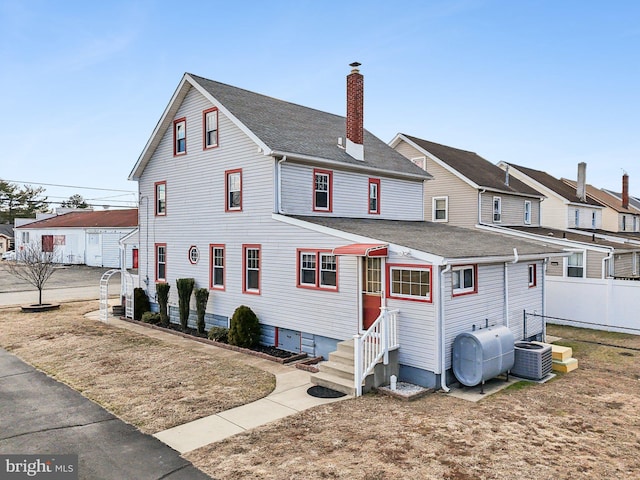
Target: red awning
363,250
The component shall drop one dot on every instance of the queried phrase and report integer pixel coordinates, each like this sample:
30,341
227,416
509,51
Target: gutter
279,184
349,166
480,192
545,262
441,323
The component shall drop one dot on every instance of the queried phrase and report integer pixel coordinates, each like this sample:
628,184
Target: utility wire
68,186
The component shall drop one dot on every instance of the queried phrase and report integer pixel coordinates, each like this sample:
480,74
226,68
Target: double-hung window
576,218
180,136
527,212
440,209
161,262
322,190
532,275
217,267
210,125
575,265
161,198
464,280
374,195
317,269
497,209
409,282
593,219
624,223
251,269
635,224
233,179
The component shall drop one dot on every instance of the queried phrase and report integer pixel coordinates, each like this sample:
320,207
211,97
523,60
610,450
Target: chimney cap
355,66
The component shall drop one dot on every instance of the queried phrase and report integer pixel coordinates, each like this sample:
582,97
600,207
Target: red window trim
204,128
222,287
161,280
329,173
375,181
155,196
535,275
475,280
245,247
226,190
409,267
175,139
317,252
189,254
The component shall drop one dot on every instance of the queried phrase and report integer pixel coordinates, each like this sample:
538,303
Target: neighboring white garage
83,237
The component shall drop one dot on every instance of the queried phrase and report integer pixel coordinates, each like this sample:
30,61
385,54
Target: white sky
545,84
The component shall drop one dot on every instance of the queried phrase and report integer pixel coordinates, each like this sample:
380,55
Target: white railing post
385,335
357,360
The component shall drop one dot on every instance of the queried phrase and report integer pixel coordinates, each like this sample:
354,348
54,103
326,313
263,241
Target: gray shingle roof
442,240
553,184
477,169
6,230
294,129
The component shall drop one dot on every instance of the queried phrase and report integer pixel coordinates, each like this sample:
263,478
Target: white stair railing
374,345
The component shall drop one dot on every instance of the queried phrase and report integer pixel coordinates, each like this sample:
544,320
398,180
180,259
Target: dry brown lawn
146,382
581,425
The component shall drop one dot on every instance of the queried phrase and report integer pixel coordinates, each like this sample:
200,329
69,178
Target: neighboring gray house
317,225
467,189
6,237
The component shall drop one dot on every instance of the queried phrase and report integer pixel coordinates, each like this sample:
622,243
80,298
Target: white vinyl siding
399,199
462,312
523,298
198,189
584,216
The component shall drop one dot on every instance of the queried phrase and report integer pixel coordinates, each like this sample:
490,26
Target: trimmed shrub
151,317
140,303
202,297
162,290
219,334
185,288
245,328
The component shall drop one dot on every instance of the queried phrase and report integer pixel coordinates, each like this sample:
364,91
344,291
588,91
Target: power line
69,186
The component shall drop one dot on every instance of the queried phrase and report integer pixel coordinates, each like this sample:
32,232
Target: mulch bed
271,353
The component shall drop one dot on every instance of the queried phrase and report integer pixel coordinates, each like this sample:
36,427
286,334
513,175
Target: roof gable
282,128
632,200
559,187
470,167
97,219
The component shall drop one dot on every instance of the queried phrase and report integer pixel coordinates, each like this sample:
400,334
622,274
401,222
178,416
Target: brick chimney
355,113
581,184
625,190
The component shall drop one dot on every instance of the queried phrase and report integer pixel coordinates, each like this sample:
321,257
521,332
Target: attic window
421,162
497,209
210,124
527,212
180,136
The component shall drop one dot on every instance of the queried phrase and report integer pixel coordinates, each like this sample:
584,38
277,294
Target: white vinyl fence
601,304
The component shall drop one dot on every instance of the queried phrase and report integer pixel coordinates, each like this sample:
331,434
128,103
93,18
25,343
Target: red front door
372,292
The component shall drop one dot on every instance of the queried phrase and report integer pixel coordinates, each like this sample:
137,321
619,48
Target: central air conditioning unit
532,361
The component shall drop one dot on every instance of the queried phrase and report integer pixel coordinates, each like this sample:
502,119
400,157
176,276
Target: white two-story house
317,225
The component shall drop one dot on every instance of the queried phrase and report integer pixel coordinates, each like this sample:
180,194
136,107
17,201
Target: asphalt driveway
39,415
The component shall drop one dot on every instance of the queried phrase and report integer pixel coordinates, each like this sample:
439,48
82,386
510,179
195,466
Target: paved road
76,282
41,416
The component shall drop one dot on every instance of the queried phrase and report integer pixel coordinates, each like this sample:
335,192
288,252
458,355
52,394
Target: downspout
545,262
606,273
443,360
506,287
480,192
279,184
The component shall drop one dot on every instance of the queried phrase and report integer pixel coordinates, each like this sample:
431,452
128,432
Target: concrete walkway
289,397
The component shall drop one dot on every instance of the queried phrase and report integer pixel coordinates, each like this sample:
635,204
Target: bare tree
35,266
